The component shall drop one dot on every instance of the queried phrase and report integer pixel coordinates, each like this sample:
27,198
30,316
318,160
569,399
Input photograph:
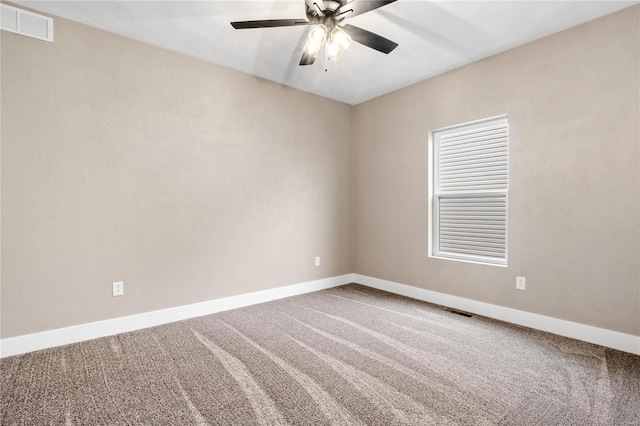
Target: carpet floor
350,355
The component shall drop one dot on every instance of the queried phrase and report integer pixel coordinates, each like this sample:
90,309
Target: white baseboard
611,339
63,336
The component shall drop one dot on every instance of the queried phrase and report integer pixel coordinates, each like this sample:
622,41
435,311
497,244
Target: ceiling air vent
26,23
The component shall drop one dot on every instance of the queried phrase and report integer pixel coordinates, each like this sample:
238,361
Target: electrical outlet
118,288
317,260
521,283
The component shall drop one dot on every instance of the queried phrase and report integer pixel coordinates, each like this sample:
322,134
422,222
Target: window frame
435,194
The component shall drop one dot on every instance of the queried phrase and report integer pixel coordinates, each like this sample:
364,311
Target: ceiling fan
327,17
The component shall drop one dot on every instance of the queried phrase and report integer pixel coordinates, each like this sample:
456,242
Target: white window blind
471,181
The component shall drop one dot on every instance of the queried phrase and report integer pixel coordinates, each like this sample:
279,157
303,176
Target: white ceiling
433,36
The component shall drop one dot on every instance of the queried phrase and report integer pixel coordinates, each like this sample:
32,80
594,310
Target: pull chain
326,58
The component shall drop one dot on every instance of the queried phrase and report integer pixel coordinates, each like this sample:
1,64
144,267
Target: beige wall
186,180
572,102
190,182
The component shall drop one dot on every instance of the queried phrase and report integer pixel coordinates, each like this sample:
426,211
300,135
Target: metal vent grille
457,312
26,23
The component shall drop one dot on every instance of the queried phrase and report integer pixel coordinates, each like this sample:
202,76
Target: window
470,185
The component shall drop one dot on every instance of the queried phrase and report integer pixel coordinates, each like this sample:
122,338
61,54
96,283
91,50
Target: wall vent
457,312
26,23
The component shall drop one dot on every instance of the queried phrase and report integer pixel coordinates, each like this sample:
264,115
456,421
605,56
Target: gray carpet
348,355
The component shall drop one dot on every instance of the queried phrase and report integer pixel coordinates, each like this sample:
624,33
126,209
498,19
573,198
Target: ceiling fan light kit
327,17
317,38
337,42
340,41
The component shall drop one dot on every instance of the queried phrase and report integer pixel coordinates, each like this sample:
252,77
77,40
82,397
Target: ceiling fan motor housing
324,12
